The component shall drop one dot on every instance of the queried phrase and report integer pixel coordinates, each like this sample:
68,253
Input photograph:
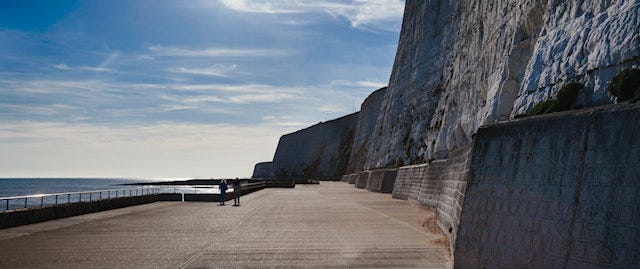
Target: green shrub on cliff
564,100
542,108
626,85
567,95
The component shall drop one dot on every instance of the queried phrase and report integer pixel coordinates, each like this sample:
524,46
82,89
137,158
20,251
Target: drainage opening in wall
450,229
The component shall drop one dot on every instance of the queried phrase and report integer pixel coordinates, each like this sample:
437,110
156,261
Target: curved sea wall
320,152
559,191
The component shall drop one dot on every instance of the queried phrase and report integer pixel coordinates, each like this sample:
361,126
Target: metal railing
41,200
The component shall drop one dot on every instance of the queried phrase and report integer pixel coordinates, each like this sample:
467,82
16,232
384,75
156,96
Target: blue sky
199,88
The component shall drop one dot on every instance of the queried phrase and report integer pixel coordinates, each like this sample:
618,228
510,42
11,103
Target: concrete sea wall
561,191
52,212
28,216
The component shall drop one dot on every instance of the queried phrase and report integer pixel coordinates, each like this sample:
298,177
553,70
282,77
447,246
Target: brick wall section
431,187
353,178
382,180
452,194
559,191
363,179
404,180
417,179
438,185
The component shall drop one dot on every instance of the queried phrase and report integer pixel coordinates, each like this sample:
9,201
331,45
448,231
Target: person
223,191
236,192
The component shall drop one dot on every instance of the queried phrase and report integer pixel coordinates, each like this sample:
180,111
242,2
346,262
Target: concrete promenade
328,225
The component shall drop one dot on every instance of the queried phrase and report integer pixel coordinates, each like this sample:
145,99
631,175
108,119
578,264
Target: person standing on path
236,192
223,191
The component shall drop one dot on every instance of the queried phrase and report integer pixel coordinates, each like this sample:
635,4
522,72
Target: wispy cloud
361,13
216,52
363,84
61,67
83,68
277,6
44,110
110,59
287,121
215,71
332,109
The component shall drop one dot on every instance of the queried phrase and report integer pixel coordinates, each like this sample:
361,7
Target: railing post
69,198
41,201
25,202
56,199
90,196
7,204
80,197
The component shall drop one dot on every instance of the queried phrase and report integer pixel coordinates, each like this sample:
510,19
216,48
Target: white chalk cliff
461,64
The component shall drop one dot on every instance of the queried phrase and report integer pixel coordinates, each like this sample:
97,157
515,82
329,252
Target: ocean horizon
41,185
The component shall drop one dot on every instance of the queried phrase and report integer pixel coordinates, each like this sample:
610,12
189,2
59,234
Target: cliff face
263,170
319,152
586,41
368,115
462,64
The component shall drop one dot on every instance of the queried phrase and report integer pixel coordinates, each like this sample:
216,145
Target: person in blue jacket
223,191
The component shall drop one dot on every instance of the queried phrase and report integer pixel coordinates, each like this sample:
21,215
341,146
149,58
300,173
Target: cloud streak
214,71
83,68
360,13
215,52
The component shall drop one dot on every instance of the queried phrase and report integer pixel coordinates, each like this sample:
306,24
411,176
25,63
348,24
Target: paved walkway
327,225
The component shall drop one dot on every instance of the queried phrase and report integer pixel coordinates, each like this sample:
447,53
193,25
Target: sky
179,89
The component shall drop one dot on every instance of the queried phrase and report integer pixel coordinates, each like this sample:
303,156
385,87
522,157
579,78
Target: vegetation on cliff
565,100
626,85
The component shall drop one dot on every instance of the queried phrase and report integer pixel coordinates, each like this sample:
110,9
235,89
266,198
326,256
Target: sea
31,186
12,187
